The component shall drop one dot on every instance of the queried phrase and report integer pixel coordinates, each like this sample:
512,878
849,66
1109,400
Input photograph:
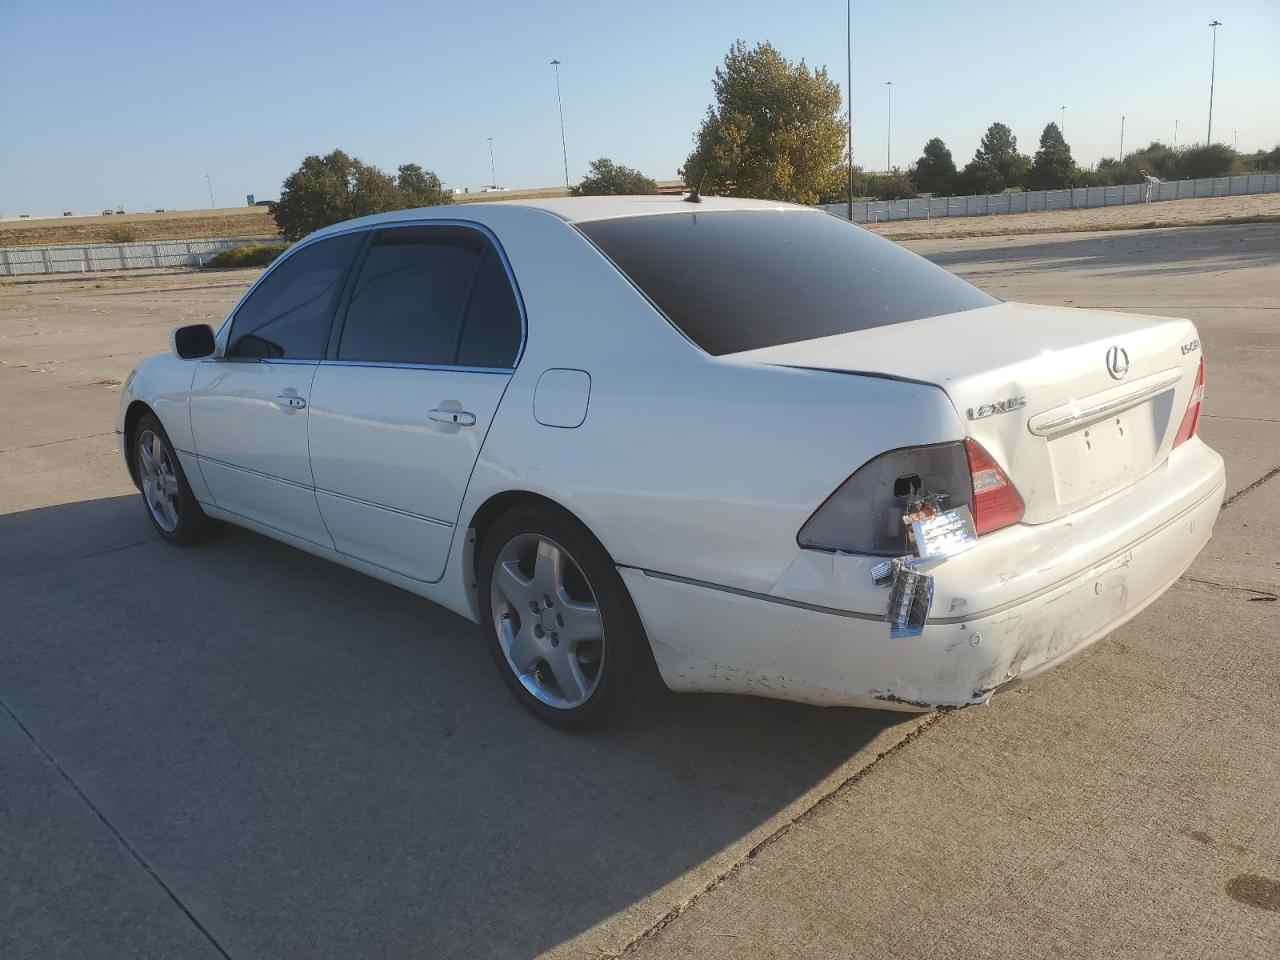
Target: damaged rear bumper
798,647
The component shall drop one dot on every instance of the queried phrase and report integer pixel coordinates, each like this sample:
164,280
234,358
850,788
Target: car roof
568,209
580,209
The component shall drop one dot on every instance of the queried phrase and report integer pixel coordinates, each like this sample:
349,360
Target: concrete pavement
244,751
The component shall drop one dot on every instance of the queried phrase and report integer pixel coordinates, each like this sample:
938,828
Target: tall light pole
888,137
564,149
209,183
848,93
1122,137
493,177
1063,127
1175,134
1213,69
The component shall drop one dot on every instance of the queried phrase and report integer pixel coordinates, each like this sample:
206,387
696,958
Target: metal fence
87,258
877,211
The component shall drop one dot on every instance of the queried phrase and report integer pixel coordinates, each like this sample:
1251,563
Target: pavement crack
809,812
1269,475
120,837
1258,592
50,443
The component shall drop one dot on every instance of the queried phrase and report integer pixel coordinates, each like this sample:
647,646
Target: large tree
338,187
997,164
607,177
775,130
1053,168
935,171
420,188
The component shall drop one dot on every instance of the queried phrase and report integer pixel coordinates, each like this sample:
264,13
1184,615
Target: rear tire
171,507
559,621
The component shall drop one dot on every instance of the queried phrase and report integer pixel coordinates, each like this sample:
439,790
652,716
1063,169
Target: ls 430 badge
997,406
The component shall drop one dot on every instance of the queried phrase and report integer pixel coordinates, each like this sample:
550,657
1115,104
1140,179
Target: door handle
460,418
291,400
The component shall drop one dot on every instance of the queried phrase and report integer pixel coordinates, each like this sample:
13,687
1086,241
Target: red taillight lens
1191,419
996,503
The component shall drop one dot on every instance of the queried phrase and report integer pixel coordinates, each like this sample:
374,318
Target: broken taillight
1191,419
996,503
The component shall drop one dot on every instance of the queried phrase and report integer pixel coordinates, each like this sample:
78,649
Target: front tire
559,621
172,508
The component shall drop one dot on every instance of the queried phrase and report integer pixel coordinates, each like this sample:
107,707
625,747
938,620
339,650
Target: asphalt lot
243,751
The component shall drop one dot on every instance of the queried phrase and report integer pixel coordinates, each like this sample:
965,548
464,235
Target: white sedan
742,446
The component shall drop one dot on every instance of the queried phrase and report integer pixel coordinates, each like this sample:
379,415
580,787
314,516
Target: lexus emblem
1117,362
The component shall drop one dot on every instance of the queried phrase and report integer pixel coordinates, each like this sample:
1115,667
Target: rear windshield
736,280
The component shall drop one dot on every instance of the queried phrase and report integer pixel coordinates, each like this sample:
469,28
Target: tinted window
491,335
408,300
432,295
288,314
739,280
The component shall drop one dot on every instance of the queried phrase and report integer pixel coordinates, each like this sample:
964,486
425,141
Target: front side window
734,280
287,316
431,295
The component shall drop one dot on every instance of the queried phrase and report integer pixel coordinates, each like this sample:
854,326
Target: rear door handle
291,400
460,417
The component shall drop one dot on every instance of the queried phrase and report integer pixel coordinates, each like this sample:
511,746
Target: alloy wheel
547,620
159,480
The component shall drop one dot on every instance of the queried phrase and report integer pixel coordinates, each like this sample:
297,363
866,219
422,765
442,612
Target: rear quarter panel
686,464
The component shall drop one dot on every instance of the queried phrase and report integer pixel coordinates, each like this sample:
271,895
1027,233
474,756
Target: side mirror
193,342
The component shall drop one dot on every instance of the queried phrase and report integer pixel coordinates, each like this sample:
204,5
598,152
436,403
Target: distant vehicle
747,443
495,189
264,203
67,213
108,213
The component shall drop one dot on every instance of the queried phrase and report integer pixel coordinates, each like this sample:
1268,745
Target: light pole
493,177
1122,138
1063,128
1213,69
1175,134
888,137
564,149
209,183
848,93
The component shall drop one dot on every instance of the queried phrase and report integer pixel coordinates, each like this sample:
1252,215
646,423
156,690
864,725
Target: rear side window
491,333
431,295
287,315
734,280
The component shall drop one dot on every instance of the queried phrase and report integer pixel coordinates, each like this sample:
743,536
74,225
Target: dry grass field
170,225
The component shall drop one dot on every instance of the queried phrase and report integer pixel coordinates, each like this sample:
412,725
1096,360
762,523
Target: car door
249,407
430,332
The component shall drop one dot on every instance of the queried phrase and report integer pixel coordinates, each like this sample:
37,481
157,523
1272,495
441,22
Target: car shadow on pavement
319,764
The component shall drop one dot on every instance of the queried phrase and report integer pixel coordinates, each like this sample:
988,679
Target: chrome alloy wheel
547,620
159,480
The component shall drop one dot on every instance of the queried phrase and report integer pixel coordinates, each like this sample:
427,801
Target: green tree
420,188
607,177
935,171
775,130
1210,160
997,164
337,187
1053,168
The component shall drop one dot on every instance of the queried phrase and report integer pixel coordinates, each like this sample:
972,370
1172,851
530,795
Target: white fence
87,258
876,211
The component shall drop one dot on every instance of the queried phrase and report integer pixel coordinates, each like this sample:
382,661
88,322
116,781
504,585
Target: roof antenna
695,195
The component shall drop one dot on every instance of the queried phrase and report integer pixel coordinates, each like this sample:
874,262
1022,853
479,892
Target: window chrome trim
395,365
307,241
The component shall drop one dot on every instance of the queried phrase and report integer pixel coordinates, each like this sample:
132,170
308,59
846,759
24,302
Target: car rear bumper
805,647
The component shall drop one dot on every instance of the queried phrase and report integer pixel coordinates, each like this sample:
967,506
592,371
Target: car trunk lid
1073,404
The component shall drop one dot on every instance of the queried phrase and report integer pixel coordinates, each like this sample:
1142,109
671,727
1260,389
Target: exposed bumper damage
1024,618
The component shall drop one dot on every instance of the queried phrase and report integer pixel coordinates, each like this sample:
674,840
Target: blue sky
134,102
